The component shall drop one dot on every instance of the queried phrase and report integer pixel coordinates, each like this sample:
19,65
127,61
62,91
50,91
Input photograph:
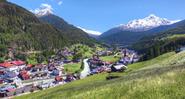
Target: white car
44,86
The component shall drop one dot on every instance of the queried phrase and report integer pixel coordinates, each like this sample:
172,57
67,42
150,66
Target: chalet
51,68
24,75
118,68
10,90
40,74
55,72
39,67
19,63
95,61
69,78
29,67
135,58
7,90
13,65
104,53
66,61
8,66
10,76
2,72
58,79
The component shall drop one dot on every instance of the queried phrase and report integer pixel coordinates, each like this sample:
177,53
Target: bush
21,57
1,59
3,50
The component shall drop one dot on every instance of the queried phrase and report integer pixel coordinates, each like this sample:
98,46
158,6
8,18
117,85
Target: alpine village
44,57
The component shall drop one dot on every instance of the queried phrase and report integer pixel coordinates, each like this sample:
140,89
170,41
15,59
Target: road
86,70
38,81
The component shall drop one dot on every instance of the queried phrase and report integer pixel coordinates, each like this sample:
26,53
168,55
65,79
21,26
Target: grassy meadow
73,67
160,78
109,58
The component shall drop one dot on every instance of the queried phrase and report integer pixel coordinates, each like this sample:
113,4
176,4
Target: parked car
44,86
93,71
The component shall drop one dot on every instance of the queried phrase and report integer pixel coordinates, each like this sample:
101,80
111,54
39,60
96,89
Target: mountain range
154,45
45,14
136,29
21,29
73,33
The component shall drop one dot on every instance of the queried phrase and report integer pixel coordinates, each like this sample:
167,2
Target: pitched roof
29,65
11,89
6,64
19,62
10,64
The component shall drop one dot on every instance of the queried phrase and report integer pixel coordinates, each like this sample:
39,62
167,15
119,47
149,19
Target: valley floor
159,78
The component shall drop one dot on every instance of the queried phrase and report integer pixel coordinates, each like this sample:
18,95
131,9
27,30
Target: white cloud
60,3
44,9
90,31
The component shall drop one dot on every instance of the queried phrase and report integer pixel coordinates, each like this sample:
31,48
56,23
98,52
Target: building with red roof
24,75
6,65
29,65
18,63
13,65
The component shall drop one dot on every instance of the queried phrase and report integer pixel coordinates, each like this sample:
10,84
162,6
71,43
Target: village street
86,70
36,82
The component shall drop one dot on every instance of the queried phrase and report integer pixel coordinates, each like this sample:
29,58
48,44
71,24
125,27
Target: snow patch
147,23
90,31
44,9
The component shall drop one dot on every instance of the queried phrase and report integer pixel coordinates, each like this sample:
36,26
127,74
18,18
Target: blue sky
101,15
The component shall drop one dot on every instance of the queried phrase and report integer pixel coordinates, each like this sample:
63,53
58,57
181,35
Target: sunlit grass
73,67
163,80
109,58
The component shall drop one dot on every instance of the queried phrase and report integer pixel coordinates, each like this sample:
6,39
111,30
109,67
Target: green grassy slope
109,58
71,68
155,45
21,29
75,34
160,78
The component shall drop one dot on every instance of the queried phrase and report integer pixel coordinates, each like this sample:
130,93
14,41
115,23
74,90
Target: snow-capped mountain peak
152,16
147,23
44,9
